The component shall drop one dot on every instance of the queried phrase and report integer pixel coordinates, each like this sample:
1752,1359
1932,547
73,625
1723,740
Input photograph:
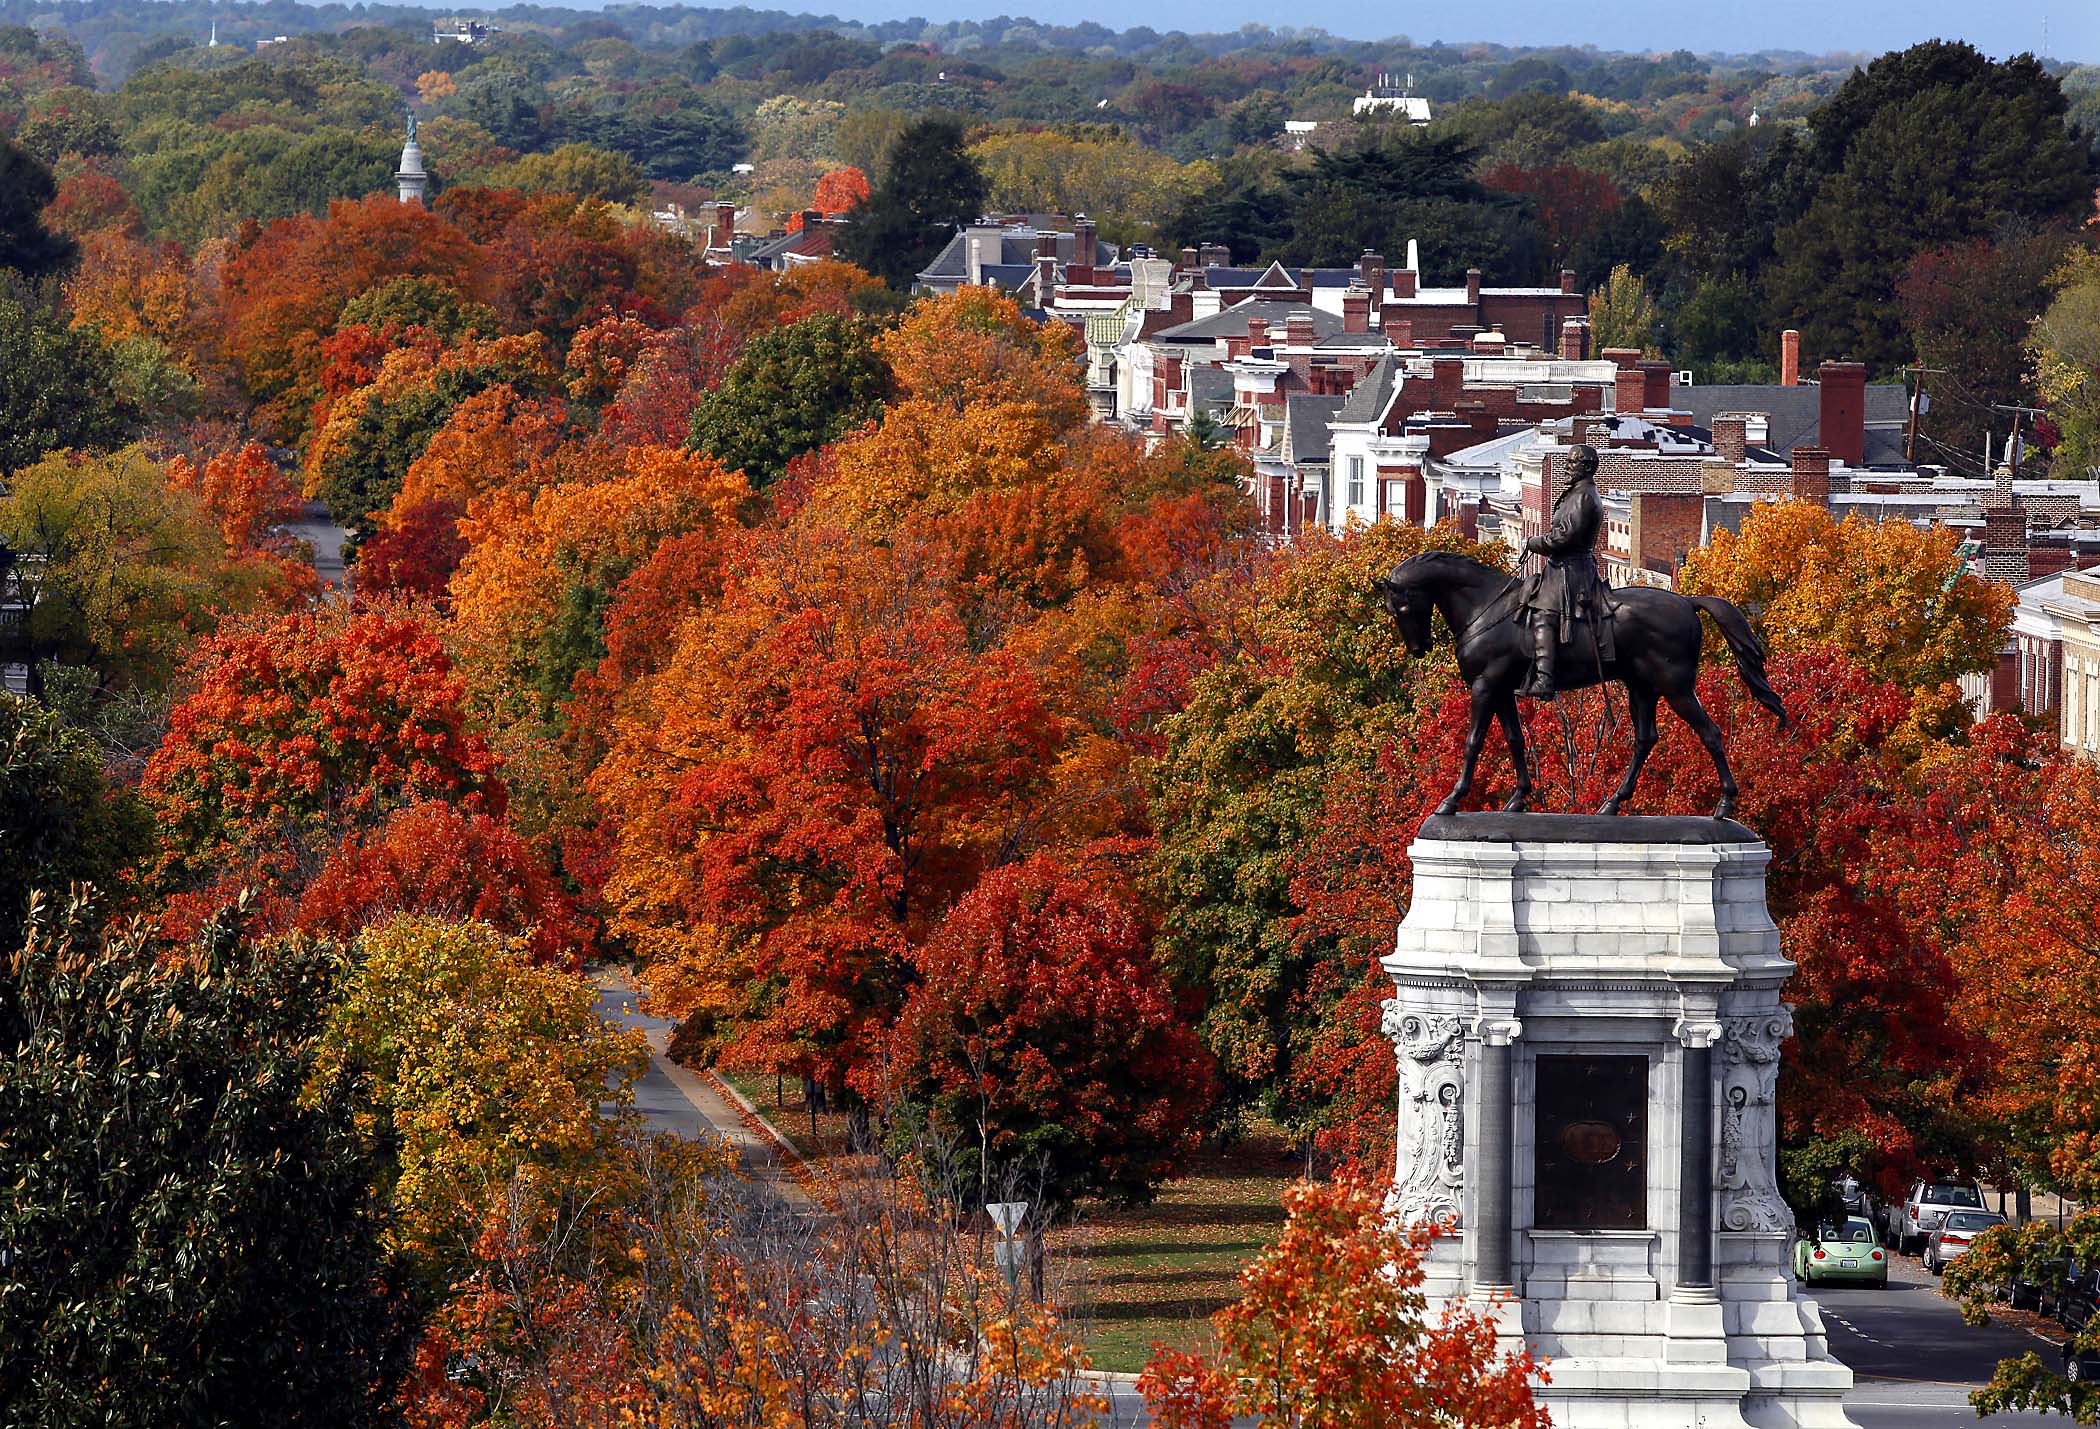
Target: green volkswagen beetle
1847,1251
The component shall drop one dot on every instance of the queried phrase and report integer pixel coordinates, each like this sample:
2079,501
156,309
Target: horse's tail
1749,655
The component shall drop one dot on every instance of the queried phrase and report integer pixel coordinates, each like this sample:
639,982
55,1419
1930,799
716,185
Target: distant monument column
1587,1021
410,176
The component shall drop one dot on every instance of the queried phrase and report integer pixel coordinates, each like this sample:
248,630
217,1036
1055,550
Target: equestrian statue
1562,628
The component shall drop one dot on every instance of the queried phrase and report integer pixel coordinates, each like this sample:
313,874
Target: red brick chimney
1629,390
1298,329
1567,280
1655,385
1447,380
1844,410
1574,340
1188,260
1810,479
1370,270
1083,246
1473,287
1404,280
811,219
1790,358
724,232
1257,333
1622,357
1045,276
1731,437
1400,332
1356,311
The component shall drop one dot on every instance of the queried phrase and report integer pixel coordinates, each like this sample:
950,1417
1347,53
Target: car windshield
1973,1220
1953,1196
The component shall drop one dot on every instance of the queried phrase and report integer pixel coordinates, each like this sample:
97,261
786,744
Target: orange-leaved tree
825,764
1892,598
1332,1331
242,489
285,289
298,729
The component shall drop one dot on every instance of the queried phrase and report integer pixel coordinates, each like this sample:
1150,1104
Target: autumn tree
1893,598
1332,1329
129,568
481,1062
1622,314
1038,1034
286,291
840,191
414,556
1968,307
243,491
823,767
299,729
2065,348
790,391
439,860
193,1232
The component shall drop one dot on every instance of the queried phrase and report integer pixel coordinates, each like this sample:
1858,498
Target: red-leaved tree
437,858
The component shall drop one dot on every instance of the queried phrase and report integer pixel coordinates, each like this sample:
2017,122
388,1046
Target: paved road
1914,1360
313,527
672,1099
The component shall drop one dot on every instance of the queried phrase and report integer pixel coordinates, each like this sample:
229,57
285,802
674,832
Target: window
1356,481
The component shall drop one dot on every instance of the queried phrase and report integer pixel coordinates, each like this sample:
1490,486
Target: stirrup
1535,691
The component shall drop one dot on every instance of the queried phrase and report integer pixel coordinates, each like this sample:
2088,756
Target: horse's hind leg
1694,714
1640,701
1512,720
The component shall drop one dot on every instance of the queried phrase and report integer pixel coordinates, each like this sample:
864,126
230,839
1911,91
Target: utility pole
1919,371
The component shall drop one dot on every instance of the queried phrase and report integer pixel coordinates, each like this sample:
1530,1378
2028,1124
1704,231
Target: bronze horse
1656,642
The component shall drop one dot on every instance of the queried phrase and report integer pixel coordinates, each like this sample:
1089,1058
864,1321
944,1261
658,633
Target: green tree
2065,345
1968,308
577,169
56,386
1396,185
26,246
61,821
928,187
791,391
192,1230
1930,146
1622,314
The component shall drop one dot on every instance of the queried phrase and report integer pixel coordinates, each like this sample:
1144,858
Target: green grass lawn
1146,1273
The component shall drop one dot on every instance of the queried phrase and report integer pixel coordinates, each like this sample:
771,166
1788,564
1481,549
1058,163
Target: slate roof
1367,399
1210,387
1232,322
1306,416
1796,414
1355,339
953,259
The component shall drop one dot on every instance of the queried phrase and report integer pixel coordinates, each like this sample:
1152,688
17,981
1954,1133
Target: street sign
1007,1215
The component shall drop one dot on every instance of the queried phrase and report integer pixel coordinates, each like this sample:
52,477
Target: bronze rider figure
1568,588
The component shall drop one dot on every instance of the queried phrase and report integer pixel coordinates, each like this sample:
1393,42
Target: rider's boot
1545,640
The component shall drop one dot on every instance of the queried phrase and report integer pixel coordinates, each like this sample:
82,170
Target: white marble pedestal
1587,1019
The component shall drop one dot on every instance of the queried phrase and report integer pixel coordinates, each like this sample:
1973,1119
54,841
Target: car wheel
1883,1283
2074,1370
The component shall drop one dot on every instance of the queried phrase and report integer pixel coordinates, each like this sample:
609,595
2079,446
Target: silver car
1917,1215
1952,1236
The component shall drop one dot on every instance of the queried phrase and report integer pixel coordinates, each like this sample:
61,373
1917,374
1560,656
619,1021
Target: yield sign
1007,1215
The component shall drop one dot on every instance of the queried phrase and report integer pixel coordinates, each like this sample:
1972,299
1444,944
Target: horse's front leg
1640,702
1512,721
1476,736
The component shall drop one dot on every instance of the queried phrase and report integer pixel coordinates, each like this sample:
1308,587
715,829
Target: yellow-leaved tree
482,1062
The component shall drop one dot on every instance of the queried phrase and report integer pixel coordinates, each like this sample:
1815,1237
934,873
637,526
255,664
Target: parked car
1848,1251
1952,1236
1920,1211
2079,1298
2039,1288
2080,1368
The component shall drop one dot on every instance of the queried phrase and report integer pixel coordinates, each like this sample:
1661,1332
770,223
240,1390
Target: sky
2002,28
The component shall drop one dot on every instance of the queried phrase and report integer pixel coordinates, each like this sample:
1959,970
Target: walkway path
672,1099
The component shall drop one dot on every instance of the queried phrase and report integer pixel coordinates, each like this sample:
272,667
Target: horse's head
1410,606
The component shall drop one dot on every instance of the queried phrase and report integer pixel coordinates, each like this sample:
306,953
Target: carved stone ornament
1429,1151
1750,1199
